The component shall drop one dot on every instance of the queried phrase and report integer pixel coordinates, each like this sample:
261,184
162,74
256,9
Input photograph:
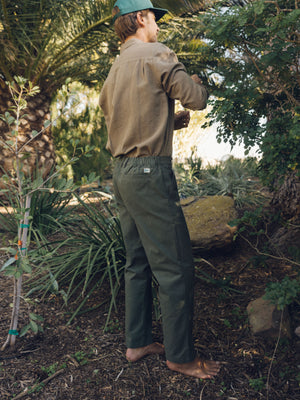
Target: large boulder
207,220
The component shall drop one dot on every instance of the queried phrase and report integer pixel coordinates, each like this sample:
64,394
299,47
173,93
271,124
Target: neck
140,34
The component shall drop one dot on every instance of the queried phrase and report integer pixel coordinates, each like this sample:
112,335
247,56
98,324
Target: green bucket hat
129,6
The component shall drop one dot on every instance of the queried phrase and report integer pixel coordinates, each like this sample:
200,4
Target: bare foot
140,352
197,368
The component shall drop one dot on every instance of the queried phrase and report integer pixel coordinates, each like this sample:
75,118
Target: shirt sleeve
177,83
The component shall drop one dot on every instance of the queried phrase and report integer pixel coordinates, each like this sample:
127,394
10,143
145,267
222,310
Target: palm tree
46,42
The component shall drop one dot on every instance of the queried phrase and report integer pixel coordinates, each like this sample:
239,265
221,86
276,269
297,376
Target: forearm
192,94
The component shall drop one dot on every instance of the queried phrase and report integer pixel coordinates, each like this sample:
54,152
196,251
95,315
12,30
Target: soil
81,361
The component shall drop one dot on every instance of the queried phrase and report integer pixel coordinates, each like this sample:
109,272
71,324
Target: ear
140,19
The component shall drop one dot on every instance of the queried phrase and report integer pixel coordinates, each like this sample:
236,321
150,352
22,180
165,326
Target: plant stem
273,356
270,255
22,235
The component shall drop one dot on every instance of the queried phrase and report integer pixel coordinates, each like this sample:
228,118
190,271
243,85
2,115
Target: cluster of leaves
88,253
81,129
260,80
49,40
233,177
283,293
248,56
22,191
48,206
255,224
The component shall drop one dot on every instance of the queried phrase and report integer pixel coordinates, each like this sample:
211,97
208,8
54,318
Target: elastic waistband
149,161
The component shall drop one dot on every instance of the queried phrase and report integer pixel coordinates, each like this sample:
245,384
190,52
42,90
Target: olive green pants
157,242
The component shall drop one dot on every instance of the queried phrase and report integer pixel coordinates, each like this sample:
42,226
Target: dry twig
25,392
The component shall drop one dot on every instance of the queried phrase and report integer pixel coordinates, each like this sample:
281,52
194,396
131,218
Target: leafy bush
82,129
233,177
283,293
19,184
48,206
254,52
88,253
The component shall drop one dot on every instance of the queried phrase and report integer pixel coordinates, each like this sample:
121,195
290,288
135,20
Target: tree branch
37,385
269,255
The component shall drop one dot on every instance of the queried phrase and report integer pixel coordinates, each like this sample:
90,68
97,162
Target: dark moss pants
157,242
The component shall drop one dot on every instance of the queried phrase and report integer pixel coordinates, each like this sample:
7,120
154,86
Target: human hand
181,119
196,79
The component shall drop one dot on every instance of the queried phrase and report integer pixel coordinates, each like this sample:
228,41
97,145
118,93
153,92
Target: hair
126,25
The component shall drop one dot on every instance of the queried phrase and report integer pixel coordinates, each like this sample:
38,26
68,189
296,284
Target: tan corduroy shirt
138,96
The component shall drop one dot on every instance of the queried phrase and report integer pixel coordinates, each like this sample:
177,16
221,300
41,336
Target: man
138,103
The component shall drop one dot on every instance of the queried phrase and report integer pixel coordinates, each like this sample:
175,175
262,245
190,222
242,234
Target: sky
205,143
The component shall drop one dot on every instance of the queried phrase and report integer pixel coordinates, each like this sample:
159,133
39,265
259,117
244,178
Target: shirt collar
130,43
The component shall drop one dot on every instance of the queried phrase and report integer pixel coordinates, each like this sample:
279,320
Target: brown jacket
138,96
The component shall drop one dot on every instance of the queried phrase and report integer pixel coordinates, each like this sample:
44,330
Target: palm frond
182,6
44,40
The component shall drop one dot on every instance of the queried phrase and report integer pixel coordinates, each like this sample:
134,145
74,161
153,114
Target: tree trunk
286,201
286,197
40,151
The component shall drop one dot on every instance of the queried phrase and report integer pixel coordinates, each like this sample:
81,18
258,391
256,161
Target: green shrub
283,293
88,253
80,133
233,177
49,205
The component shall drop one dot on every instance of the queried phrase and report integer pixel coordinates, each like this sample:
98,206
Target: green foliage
194,165
20,188
53,368
252,222
283,293
82,128
91,254
35,322
51,205
113,326
8,217
233,177
48,206
249,59
81,357
47,41
257,384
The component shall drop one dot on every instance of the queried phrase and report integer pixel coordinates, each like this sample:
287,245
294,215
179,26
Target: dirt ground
81,361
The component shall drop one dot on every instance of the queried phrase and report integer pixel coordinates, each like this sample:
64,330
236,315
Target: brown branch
37,385
284,90
251,56
273,356
269,255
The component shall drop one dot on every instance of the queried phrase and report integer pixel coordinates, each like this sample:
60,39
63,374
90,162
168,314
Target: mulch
81,361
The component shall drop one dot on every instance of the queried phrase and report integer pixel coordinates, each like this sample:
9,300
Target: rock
207,219
264,319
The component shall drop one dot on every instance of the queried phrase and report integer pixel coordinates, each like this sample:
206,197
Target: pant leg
149,192
138,278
